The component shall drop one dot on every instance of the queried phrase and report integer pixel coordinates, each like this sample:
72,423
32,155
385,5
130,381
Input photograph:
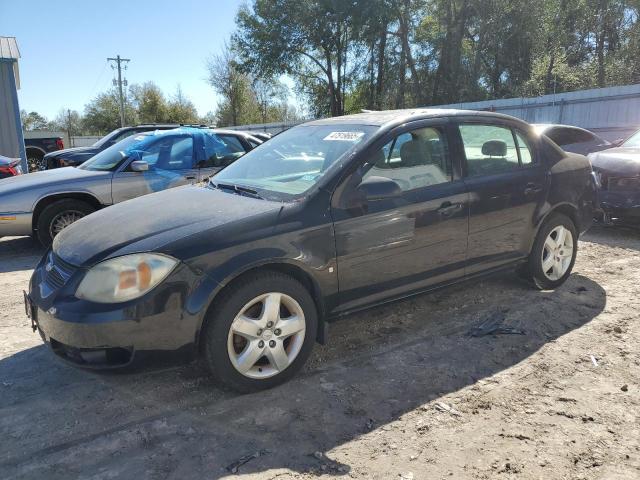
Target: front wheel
261,332
58,216
554,252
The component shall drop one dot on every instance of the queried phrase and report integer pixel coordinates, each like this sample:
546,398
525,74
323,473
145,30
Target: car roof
542,127
386,117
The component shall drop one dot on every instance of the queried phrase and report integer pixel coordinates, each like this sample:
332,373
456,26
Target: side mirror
379,188
139,166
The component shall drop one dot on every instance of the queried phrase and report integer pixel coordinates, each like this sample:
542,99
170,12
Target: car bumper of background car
15,224
112,335
624,205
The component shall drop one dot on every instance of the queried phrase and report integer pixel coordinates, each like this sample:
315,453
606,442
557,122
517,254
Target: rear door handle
448,209
532,189
190,177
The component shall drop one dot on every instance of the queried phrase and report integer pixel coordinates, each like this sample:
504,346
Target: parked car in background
72,157
324,219
10,167
264,136
239,139
38,148
573,139
44,203
618,170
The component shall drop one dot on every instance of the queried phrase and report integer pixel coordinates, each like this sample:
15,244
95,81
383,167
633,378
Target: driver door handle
190,177
532,188
448,209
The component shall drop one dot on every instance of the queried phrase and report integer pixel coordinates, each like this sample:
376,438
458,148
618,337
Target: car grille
57,271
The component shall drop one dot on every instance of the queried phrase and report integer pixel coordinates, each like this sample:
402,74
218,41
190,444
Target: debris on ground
593,360
493,325
624,388
443,407
233,468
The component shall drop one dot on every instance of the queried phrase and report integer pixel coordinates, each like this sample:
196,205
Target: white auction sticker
344,136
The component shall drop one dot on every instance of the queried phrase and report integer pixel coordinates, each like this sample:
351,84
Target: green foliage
33,121
345,56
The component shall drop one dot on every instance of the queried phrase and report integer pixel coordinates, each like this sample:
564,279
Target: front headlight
125,278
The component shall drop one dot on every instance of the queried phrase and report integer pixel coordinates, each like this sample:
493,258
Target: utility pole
119,61
71,142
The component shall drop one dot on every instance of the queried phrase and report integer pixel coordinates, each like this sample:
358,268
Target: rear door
171,164
391,246
507,185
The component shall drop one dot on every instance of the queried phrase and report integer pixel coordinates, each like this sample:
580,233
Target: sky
64,46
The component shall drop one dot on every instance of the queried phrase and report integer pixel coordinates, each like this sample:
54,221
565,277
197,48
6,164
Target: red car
9,167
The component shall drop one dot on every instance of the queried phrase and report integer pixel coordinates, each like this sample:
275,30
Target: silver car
43,203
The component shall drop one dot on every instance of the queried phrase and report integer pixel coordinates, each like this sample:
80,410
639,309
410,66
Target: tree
307,39
150,103
69,121
180,109
102,114
33,121
238,104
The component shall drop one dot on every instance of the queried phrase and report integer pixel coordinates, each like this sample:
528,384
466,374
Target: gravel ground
401,391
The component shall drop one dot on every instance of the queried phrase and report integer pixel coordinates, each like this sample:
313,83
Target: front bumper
623,205
111,335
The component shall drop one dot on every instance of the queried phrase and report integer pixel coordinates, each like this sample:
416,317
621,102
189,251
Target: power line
119,61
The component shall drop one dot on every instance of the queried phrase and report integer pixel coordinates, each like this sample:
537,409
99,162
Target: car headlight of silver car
125,278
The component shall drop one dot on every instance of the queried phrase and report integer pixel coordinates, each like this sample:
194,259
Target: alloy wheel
63,220
557,253
36,164
266,335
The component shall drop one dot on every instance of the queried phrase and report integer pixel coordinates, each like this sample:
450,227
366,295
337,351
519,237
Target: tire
54,213
226,352
35,162
546,268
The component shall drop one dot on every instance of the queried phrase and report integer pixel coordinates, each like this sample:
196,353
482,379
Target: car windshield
112,157
292,162
633,140
107,138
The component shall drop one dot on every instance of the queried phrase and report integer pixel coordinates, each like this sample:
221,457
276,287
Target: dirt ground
400,391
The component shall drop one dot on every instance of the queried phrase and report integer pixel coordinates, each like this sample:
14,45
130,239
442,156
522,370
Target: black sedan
329,217
618,170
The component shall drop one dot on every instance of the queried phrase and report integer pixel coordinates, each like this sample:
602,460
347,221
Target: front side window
168,153
221,150
489,149
524,149
414,160
292,162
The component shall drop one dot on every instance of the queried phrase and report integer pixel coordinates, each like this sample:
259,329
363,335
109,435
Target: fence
612,112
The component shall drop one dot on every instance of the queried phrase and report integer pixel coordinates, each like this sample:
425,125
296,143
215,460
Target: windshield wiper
238,189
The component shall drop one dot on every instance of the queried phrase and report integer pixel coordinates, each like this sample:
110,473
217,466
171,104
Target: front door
171,164
392,246
507,184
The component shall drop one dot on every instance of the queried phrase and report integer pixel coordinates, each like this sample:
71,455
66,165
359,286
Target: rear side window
493,149
524,149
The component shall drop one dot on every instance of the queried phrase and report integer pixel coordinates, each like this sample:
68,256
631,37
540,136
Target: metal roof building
11,138
612,112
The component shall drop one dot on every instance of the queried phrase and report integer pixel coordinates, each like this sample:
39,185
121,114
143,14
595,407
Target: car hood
48,179
617,161
159,221
74,153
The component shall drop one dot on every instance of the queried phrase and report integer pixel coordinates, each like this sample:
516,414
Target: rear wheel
554,252
36,162
261,332
58,216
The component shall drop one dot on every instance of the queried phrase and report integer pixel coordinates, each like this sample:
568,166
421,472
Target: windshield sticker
345,136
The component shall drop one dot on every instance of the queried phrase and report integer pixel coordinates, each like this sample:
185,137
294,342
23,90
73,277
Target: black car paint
38,147
349,254
618,163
